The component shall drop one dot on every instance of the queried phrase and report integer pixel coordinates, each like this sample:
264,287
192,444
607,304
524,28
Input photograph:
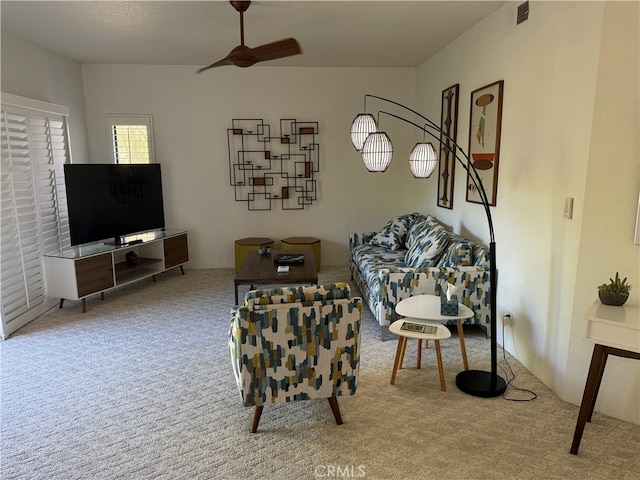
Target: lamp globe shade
423,160
363,125
377,152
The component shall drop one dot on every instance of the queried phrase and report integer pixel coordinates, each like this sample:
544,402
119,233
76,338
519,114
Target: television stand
85,270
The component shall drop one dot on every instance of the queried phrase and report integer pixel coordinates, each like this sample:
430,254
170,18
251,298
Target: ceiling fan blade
279,49
219,63
243,56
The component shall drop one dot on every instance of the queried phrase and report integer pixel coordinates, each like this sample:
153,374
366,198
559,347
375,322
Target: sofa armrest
472,282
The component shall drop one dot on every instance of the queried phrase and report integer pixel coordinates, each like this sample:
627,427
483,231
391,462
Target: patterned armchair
296,343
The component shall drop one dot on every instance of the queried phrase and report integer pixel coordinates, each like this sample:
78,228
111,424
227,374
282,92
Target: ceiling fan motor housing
240,6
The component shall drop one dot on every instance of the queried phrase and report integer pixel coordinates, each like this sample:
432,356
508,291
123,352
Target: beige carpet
140,387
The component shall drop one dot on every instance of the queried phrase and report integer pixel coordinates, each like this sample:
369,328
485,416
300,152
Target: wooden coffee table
260,270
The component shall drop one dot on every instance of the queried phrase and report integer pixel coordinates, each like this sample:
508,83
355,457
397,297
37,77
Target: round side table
441,332
427,307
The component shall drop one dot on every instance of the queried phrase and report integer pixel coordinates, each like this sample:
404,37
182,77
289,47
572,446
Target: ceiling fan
243,56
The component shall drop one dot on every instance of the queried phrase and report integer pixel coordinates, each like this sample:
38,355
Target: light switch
568,208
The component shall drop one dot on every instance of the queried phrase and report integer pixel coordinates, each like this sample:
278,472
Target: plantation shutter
33,214
131,138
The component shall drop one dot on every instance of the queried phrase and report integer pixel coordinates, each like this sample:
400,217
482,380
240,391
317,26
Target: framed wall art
484,140
636,238
447,156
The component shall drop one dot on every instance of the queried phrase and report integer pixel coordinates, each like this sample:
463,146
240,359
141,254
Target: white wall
552,69
611,199
191,115
31,71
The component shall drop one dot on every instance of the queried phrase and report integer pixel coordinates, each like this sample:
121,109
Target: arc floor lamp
377,152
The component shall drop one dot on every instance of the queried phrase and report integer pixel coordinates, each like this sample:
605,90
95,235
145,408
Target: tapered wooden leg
84,305
61,302
257,412
591,388
598,362
419,352
596,388
397,360
101,295
404,348
463,349
440,369
333,401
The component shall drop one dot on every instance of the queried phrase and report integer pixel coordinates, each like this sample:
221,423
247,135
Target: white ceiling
331,33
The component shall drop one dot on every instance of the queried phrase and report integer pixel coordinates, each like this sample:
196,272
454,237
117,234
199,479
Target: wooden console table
615,331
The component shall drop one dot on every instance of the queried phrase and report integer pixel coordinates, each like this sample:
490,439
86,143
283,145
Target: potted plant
615,292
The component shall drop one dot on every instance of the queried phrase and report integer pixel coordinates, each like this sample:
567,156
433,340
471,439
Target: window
131,138
34,145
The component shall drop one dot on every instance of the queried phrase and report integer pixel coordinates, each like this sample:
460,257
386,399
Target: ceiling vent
523,13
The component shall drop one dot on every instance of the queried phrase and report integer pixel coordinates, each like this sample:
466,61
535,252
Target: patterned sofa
296,343
412,255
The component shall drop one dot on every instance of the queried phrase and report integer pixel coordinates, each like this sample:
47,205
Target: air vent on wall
523,13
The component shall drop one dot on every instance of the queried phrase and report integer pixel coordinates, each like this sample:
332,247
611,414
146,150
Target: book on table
419,328
288,259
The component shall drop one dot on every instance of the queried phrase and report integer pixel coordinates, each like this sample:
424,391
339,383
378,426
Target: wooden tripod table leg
440,369
463,349
399,353
404,348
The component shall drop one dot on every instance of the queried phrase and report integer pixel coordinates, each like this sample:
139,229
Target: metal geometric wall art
268,169
447,157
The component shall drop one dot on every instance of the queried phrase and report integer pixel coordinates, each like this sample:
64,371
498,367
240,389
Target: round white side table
441,333
427,307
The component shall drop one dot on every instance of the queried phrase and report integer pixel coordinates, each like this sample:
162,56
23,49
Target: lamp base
478,383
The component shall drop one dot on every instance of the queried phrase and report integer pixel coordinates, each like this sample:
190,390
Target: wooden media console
84,270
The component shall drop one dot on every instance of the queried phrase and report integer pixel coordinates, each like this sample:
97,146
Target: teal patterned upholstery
481,256
394,233
427,246
459,252
296,343
420,223
384,277
333,291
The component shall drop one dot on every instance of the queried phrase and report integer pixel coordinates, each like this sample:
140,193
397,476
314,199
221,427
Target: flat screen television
110,201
